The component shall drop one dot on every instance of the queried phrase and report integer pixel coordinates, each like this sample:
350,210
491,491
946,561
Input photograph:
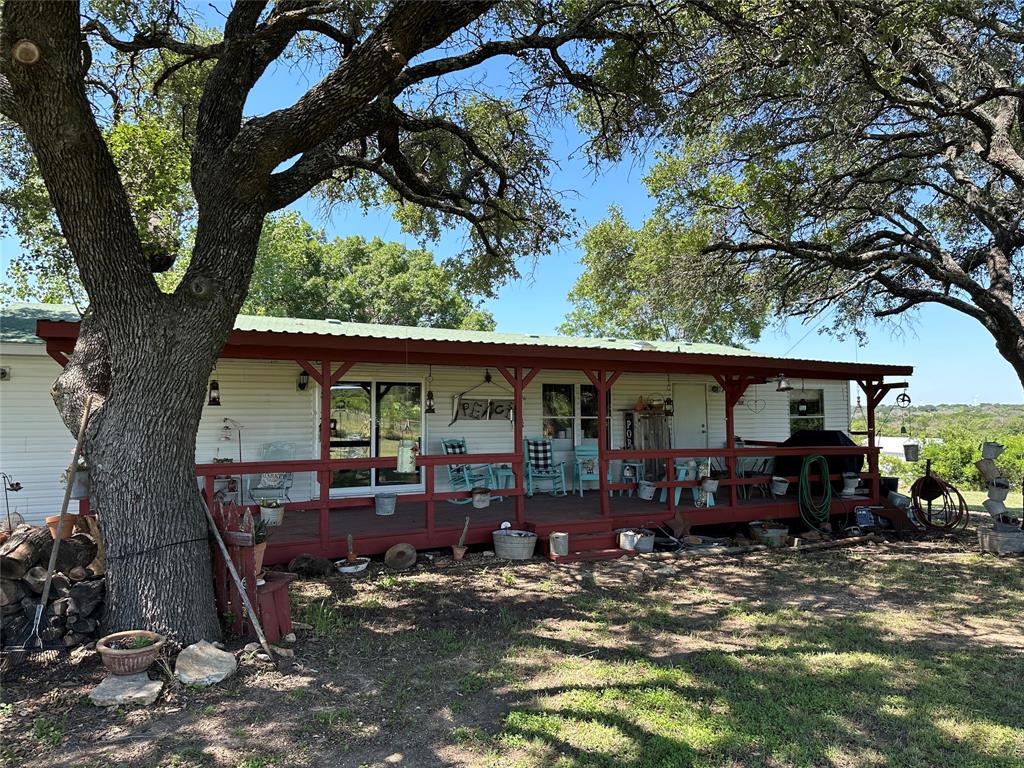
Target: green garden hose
815,513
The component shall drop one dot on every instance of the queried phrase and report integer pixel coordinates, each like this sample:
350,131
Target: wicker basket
132,660
514,545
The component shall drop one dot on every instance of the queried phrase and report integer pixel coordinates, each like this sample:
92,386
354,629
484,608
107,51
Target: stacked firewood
75,603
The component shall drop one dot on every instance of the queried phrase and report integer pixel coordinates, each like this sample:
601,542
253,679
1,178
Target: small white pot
779,486
272,516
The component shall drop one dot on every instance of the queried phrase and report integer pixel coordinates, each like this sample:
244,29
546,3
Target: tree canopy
300,273
858,158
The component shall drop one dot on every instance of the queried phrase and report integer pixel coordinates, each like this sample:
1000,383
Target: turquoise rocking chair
466,477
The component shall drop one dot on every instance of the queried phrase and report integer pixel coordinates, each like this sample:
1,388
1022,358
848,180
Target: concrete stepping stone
116,690
204,664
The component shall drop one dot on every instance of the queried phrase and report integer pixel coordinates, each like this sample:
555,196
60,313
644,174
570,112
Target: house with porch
316,412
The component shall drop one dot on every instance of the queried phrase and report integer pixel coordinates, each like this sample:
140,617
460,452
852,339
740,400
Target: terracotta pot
129,661
68,528
458,552
258,551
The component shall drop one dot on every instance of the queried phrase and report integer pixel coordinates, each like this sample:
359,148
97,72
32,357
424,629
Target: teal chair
540,465
587,467
466,477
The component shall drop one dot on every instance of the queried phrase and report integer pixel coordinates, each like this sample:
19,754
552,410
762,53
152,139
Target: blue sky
955,360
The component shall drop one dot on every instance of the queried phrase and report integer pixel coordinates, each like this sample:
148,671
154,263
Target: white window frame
373,488
577,415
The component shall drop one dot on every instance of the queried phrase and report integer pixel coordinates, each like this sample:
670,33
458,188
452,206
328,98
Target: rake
45,648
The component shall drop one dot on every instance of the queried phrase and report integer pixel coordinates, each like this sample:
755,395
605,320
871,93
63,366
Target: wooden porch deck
300,533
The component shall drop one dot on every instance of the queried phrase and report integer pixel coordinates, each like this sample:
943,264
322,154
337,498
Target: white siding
35,446
262,396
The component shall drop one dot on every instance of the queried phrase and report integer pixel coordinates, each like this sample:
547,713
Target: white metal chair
272,485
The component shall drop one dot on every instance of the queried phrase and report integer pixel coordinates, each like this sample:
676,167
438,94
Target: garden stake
241,587
465,530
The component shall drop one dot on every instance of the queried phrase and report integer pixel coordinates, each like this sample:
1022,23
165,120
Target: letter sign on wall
629,430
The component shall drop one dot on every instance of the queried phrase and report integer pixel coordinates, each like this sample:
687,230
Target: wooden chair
269,600
540,465
466,477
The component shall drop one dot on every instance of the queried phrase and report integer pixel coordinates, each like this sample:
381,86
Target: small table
504,477
636,475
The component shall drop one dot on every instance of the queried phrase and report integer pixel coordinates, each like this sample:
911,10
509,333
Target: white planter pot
779,486
645,490
272,515
481,498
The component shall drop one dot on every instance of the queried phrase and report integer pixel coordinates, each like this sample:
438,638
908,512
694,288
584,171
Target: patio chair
587,467
272,485
466,477
540,466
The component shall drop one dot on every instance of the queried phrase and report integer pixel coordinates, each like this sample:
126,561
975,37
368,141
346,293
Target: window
369,419
570,412
806,410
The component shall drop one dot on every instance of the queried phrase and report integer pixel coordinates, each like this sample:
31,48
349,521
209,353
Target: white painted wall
262,396
35,446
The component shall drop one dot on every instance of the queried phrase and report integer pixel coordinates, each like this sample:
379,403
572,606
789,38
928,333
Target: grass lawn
907,654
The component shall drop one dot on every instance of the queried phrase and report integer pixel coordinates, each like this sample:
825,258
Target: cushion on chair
455,448
588,465
539,454
270,481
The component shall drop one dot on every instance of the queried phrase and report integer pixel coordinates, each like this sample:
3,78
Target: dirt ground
473,665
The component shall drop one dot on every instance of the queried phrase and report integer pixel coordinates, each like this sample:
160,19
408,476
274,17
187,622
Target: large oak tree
405,113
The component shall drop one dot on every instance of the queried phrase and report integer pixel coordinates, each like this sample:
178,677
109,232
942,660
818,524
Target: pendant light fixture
302,382
214,398
430,391
784,385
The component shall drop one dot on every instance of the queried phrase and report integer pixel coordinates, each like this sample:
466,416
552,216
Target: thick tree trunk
140,449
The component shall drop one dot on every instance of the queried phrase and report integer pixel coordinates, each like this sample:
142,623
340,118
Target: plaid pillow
455,448
539,454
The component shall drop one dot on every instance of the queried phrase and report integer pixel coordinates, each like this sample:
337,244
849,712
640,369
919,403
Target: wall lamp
303,381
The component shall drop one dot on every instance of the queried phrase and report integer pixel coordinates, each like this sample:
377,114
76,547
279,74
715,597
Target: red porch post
325,452
875,391
519,381
734,387
602,382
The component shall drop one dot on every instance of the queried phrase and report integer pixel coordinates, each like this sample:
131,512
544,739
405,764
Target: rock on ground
204,664
126,689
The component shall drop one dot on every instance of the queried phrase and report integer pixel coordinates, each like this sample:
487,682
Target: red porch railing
430,535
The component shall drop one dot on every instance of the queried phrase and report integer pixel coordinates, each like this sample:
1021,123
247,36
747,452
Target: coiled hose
815,514
951,515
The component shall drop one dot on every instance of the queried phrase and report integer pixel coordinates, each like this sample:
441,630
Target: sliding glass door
370,419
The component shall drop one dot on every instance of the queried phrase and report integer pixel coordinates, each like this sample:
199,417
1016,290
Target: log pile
75,603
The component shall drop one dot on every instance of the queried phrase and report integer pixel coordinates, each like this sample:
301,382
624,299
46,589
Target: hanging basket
911,451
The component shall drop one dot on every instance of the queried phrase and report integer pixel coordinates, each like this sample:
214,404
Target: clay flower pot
66,530
121,659
458,552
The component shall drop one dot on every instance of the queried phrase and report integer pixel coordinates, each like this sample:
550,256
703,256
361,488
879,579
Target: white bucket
779,486
850,483
991,450
558,543
481,498
999,489
384,504
645,490
709,484
636,539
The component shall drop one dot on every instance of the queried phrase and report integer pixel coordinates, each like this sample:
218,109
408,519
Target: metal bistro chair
272,485
540,466
466,477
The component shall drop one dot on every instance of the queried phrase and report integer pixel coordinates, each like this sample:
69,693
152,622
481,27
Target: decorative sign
629,430
473,409
501,409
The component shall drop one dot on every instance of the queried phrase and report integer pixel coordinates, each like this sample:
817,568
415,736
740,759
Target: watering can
990,450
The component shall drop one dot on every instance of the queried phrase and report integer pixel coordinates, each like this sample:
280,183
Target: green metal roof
18,321
18,324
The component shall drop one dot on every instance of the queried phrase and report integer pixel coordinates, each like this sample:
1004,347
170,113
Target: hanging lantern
214,398
670,407
801,407
303,381
430,391
784,385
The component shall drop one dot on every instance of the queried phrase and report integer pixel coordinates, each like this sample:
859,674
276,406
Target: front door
690,423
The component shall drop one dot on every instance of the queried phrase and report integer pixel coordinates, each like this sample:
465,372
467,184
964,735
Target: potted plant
259,538
459,550
271,511
131,652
